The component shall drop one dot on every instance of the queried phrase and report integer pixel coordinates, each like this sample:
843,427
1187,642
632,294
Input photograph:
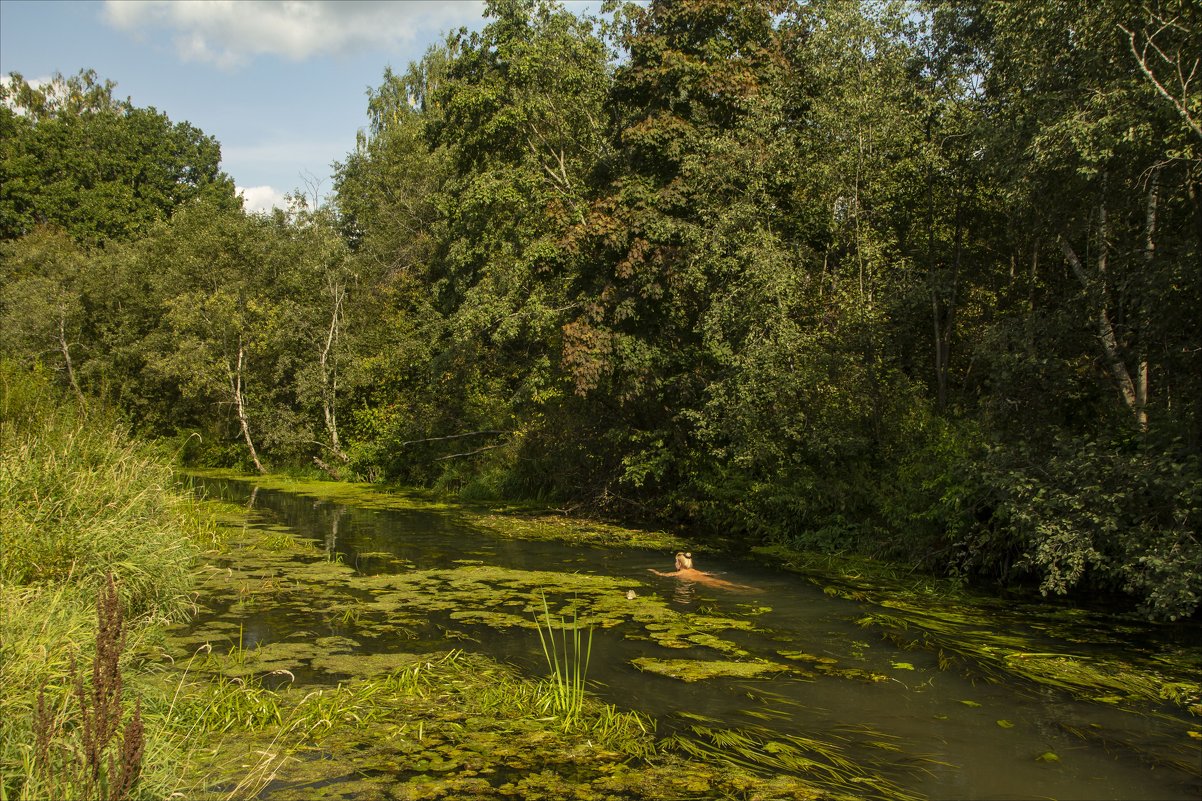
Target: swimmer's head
684,560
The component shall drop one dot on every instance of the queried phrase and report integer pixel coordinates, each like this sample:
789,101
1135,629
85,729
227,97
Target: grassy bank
80,503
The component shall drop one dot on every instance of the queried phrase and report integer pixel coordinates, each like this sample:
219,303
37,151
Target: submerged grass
965,641
445,714
764,751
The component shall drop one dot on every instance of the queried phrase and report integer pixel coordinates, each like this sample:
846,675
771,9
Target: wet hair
684,560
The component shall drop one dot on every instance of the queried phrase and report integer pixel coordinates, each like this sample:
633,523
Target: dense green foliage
77,157
914,279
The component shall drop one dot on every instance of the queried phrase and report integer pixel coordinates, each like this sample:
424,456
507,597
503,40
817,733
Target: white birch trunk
240,407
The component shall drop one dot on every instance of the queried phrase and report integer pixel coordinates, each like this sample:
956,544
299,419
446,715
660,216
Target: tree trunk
1193,189
329,372
1115,364
240,407
943,307
1141,381
65,348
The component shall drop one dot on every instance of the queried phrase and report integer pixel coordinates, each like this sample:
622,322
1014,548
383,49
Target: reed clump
567,648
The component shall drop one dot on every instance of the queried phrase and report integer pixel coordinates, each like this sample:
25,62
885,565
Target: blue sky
281,84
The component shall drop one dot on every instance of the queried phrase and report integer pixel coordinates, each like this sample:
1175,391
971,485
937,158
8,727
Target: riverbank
98,552
105,557
225,717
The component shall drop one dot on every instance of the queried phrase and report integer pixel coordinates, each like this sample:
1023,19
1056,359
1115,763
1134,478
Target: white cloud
261,198
229,33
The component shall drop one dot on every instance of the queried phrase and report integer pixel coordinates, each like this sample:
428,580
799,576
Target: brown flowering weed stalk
82,756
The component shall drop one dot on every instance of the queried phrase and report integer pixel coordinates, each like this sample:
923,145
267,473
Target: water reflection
332,535
684,593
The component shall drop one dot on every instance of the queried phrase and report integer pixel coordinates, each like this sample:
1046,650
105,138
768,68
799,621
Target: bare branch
1145,66
469,453
454,436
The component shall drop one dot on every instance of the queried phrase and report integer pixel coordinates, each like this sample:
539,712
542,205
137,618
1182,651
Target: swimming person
686,572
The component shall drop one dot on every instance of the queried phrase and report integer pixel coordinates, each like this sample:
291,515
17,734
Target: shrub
1080,514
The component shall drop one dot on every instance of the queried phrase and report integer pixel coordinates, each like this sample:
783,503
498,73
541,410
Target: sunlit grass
567,648
79,500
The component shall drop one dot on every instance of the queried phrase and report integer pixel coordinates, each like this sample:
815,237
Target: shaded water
933,732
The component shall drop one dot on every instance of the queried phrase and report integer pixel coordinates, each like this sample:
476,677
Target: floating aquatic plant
961,639
762,750
697,670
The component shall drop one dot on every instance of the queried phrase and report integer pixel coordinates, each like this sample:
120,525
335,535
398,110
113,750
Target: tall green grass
78,500
567,651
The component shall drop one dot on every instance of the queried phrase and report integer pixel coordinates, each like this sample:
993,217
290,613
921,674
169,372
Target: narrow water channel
936,733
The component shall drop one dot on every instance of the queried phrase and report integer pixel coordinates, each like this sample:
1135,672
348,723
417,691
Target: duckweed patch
697,670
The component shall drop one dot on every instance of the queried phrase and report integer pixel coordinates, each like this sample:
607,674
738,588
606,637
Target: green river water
780,659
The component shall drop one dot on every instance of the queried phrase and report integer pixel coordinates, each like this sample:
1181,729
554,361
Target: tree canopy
75,156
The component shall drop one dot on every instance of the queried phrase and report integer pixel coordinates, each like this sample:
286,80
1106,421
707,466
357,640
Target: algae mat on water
458,726
698,669
417,725
264,574
327,599
1047,645
505,520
